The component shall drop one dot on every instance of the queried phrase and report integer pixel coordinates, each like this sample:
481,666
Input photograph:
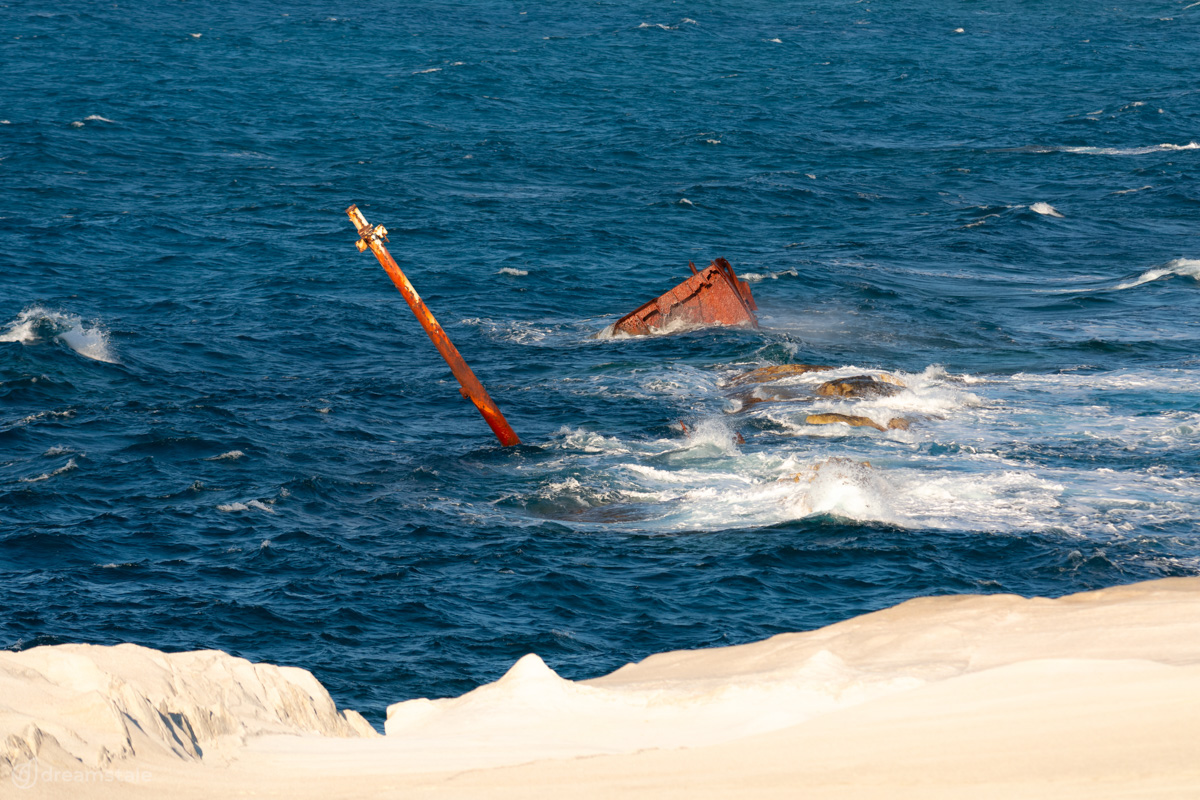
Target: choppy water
221,427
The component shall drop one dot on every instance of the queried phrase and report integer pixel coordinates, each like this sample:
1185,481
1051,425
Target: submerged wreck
713,296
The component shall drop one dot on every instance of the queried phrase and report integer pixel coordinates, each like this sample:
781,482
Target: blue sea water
220,426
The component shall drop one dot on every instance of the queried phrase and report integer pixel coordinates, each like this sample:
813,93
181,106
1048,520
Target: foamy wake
1184,267
39,324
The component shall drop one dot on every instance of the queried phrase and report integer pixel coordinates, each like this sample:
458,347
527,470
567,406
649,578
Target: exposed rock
860,386
898,424
775,373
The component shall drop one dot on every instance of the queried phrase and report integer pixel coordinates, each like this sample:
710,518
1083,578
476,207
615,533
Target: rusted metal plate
714,296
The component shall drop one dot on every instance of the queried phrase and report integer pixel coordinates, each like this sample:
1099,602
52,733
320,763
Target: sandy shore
1092,695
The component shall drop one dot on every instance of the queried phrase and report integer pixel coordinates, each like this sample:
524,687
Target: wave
518,273
45,476
1183,267
37,324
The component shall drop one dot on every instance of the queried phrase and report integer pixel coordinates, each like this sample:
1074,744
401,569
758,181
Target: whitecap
76,124
1131,191
37,323
45,476
683,201
253,504
98,118
427,71
1184,267
1127,151
1045,209
232,455
776,41
517,273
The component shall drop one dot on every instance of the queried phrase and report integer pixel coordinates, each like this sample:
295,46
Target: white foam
776,41
195,35
1131,191
657,25
232,455
755,277
97,118
675,326
1045,209
514,331
512,271
970,460
76,124
1185,267
427,71
683,201
688,21
37,323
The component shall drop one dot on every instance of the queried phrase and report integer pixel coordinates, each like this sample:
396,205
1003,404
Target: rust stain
373,237
714,296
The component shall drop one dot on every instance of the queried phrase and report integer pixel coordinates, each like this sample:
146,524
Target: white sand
1093,695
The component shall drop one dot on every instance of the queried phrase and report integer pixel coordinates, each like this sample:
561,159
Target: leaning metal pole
374,237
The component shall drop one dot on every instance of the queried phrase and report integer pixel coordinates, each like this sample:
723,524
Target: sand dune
1093,695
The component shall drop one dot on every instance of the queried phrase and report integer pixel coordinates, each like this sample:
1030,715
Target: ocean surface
221,427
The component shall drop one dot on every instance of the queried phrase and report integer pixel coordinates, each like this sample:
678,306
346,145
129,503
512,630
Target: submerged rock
861,386
896,423
779,394
830,419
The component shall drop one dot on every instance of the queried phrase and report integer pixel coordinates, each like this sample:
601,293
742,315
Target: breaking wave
38,324
1184,267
